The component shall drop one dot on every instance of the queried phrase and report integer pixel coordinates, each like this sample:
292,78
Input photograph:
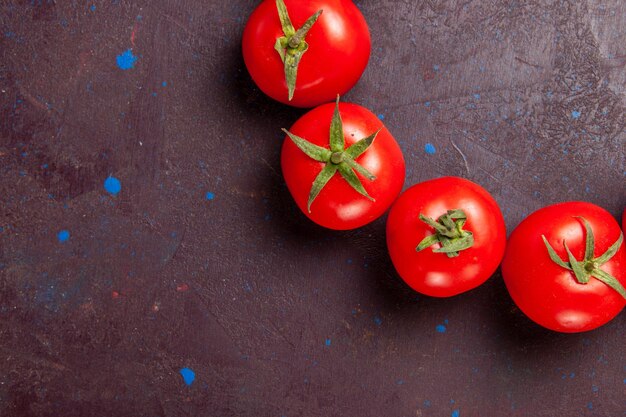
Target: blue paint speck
378,320
126,60
455,413
112,185
427,104
575,114
188,375
441,328
93,8
63,236
590,405
209,196
430,149
477,96
164,83
154,94
381,116
327,342
427,403
436,67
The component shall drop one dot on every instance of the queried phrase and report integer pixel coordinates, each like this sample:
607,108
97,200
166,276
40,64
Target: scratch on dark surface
462,156
271,168
528,63
489,174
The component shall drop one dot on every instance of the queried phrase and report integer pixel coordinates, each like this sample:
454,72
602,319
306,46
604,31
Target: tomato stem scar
448,232
589,267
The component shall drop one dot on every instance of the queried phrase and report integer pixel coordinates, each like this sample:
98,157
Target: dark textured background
276,316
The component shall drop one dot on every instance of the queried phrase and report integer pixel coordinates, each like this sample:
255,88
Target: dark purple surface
203,261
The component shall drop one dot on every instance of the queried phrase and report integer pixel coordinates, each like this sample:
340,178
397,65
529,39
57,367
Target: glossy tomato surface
339,206
339,49
436,274
550,294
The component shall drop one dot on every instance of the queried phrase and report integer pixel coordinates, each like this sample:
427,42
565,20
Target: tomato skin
624,221
339,49
435,274
548,293
339,206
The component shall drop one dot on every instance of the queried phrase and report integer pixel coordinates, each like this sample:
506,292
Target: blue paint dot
427,104
436,67
126,60
455,413
378,320
112,185
327,342
590,405
188,375
164,83
381,116
93,8
427,403
63,236
209,195
477,96
154,94
575,114
430,149
440,328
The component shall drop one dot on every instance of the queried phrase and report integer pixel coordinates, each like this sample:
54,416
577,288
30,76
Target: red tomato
551,294
434,273
339,205
338,50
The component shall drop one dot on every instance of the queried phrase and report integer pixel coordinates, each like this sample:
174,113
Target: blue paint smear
430,149
209,196
455,413
590,405
188,375
427,104
164,83
126,60
378,320
477,96
381,116
63,236
426,403
93,8
440,328
575,114
112,185
327,342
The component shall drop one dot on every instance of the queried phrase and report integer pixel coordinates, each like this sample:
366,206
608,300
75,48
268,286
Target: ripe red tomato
475,225
549,291
342,166
329,60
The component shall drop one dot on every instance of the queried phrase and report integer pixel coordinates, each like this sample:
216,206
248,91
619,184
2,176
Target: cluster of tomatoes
564,265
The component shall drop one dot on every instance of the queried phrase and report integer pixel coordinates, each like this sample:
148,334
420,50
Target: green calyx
292,45
448,232
337,158
589,267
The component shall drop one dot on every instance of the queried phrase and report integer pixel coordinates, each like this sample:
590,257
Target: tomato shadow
524,343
